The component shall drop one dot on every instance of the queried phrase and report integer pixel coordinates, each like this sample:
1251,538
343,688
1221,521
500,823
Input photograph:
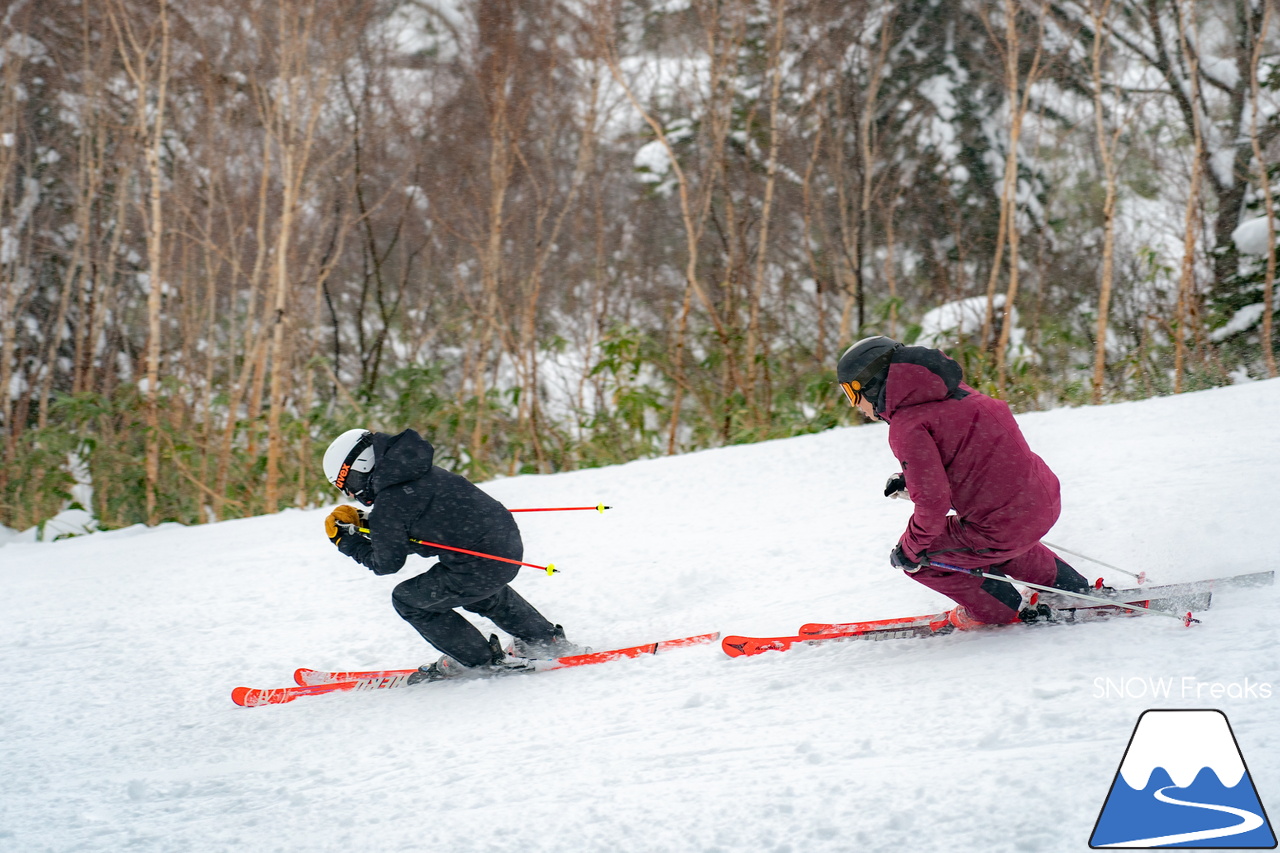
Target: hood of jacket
919,375
399,459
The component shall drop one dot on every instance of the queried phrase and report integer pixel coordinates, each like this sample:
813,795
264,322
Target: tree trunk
1106,151
1185,311
1268,203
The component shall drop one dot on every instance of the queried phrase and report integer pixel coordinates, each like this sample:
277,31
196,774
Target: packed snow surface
120,651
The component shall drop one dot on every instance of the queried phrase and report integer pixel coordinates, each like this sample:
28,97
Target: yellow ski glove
343,521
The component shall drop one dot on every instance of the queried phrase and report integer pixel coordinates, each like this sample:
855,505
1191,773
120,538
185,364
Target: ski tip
734,647
301,677
241,696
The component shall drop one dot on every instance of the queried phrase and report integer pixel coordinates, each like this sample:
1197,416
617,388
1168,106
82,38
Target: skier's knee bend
1006,594
407,603
401,606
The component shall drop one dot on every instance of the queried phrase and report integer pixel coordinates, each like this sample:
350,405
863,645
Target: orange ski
314,682
846,629
904,628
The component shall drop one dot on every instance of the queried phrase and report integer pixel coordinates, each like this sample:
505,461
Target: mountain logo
1183,783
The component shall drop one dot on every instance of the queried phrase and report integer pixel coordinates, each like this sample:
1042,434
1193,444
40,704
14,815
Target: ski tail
632,652
252,697
1171,591
314,677
1104,610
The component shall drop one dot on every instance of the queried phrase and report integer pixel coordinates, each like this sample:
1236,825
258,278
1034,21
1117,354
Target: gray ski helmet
863,367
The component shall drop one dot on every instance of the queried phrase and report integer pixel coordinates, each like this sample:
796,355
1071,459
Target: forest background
577,232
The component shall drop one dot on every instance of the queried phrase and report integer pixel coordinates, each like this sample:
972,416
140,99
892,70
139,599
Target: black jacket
414,499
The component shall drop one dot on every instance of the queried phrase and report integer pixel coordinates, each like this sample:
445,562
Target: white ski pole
1140,576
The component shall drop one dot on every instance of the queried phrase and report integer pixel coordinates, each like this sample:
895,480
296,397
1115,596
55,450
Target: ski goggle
852,390
856,388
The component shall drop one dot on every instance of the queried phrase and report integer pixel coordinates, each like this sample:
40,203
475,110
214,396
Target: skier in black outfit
414,499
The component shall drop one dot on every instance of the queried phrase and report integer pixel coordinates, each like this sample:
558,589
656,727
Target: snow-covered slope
119,651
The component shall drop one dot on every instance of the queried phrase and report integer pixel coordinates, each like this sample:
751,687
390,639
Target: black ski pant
476,584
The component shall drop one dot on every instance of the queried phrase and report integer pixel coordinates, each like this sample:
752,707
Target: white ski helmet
348,461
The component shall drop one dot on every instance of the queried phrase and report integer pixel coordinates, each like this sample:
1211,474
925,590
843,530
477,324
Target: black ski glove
899,560
896,487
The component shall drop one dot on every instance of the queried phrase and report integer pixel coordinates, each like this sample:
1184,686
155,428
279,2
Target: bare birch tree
145,56
292,105
1268,202
1019,94
1108,145
1185,309
695,203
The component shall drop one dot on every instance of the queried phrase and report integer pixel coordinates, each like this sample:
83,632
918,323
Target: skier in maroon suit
960,450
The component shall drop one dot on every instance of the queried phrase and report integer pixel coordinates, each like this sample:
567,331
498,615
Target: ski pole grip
950,568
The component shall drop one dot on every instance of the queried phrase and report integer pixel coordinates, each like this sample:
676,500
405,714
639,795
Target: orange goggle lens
852,390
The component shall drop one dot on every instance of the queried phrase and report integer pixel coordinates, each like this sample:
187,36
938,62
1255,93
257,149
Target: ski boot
500,663
1070,581
961,620
556,647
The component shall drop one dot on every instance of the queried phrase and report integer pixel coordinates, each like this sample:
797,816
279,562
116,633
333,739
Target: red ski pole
549,568
598,507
